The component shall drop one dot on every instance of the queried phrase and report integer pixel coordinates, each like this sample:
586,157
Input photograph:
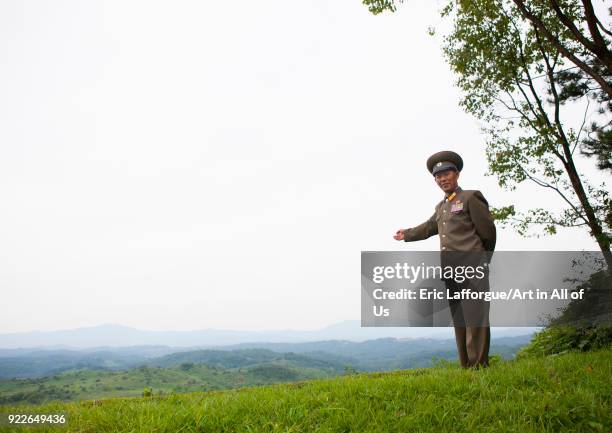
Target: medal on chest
457,207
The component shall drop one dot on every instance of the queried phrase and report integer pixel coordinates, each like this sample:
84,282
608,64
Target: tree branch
525,68
553,89
572,27
602,27
551,221
581,126
599,42
566,53
547,185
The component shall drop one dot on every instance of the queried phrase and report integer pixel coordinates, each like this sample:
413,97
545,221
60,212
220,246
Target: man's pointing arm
422,231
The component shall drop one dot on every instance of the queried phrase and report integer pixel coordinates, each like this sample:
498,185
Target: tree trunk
594,224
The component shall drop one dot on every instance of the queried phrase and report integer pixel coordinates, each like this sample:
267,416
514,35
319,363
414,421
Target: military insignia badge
457,207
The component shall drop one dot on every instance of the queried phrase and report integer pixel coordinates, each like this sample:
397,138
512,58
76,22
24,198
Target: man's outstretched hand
399,236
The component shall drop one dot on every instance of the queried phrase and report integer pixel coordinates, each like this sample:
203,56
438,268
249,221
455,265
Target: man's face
447,180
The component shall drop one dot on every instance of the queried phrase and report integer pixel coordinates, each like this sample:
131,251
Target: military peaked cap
443,161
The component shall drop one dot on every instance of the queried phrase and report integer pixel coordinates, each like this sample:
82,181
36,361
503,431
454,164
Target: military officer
463,222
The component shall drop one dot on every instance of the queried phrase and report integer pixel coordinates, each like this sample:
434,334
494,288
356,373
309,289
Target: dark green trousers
471,323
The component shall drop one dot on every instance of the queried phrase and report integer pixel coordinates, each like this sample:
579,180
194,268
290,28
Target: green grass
567,393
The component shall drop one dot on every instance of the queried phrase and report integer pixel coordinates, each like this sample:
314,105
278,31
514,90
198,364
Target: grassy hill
566,393
97,374
199,370
242,358
185,377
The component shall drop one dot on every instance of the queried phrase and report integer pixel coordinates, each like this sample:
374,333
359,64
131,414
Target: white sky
197,164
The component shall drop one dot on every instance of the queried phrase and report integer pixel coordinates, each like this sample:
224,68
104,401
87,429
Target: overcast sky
197,164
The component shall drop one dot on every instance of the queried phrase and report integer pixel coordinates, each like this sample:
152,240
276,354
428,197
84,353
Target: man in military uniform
463,222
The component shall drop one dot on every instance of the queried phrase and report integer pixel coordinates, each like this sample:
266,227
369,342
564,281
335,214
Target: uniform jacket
463,224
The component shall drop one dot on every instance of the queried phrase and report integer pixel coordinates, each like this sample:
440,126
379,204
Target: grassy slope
567,393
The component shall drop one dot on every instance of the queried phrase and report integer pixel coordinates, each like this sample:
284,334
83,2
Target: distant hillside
388,353
123,336
180,373
31,363
107,373
372,355
244,357
564,394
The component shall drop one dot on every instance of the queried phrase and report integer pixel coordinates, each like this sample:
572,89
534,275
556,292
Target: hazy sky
198,164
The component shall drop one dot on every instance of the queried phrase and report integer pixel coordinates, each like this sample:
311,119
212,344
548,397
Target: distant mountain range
110,335
329,355
371,355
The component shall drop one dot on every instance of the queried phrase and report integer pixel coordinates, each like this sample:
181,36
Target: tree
583,40
591,56
517,81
